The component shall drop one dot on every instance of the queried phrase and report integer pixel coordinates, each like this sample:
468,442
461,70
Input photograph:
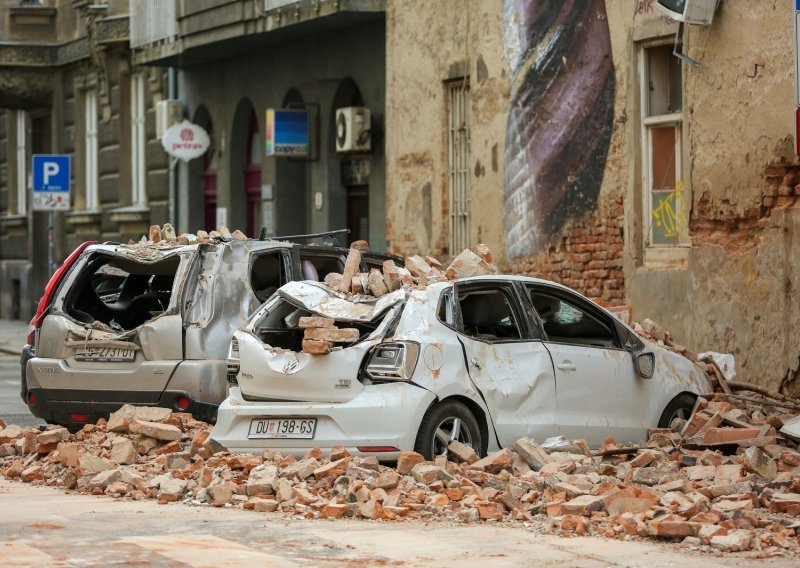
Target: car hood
321,300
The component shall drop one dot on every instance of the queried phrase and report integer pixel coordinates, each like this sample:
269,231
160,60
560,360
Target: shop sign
287,133
185,141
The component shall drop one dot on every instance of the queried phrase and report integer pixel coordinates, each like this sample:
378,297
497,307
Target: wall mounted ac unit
353,129
689,11
168,113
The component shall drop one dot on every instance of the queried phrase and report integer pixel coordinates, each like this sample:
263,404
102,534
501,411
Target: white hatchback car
482,360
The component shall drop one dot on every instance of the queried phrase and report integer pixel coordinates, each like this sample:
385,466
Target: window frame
138,139
90,145
524,326
21,125
647,124
584,305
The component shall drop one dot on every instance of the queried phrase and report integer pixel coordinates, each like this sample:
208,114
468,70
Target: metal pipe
172,93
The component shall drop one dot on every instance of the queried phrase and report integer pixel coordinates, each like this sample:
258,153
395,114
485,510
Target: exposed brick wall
587,256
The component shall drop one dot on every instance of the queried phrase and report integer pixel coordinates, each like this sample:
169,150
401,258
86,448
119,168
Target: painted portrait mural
560,119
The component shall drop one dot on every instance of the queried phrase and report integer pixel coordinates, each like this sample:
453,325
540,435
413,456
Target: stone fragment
387,481
53,436
727,474
167,232
93,464
467,264
356,286
462,452
336,468
314,347
532,453
172,489
700,472
155,233
377,284
123,451
315,321
418,268
105,478
34,472
760,463
391,276
238,235
407,460
68,454
333,280
331,334
177,460
262,505
156,430
583,505
425,473
10,433
496,462
672,529
351,268
301,469
262,480
221,494
734,541
334,510
630,500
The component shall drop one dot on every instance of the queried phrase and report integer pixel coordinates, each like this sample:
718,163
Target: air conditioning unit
353,129
689,11
168,113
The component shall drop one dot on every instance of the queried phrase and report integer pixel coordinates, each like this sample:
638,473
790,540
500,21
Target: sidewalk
13,334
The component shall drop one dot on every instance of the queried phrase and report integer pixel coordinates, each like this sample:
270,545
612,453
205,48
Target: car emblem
291,366
158,372
342,384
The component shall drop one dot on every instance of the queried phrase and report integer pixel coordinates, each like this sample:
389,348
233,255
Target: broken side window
121,293
280,326
317,265
565,321
488,313
267,274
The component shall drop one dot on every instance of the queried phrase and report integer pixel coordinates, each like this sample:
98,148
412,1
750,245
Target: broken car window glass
487,314
564,322
121,293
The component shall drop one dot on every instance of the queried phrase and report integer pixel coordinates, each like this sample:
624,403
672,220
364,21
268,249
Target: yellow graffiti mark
671,213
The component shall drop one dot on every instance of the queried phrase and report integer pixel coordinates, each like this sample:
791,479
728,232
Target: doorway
358,212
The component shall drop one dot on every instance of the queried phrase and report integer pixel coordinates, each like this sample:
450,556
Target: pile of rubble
166,235
712,493
322,333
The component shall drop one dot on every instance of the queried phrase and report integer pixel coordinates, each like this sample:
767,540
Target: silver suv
151,323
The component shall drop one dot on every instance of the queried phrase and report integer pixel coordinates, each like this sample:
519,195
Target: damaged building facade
595,158
67,86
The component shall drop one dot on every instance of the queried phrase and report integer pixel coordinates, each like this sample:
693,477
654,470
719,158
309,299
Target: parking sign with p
51,182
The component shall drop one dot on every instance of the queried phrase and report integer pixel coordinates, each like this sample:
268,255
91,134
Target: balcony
183,34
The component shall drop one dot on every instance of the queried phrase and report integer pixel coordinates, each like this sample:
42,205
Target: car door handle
567,366
474,361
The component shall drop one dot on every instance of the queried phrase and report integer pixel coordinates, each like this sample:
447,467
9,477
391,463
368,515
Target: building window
22,168
138,140
458,165
90,110
664,196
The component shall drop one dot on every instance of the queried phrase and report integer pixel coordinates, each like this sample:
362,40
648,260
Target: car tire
677,412
442,419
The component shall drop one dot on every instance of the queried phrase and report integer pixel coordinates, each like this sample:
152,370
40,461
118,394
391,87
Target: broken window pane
565,322
121,293
665,92
317,266
488,314
267,275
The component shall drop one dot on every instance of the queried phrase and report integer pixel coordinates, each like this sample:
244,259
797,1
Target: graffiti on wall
560,118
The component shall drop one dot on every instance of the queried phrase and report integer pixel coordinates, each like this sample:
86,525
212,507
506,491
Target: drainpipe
172,93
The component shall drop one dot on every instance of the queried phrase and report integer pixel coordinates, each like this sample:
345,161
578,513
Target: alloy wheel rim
679,419
450,429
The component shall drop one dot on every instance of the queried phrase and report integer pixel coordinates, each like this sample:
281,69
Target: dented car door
507,362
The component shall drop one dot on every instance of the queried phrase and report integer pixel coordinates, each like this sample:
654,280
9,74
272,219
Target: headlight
393,361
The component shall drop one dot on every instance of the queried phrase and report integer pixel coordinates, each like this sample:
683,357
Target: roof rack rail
263,235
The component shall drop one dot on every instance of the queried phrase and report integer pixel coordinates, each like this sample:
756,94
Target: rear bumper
59,405
28,353
386,415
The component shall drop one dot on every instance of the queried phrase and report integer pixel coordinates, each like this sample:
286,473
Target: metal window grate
458,146
152,21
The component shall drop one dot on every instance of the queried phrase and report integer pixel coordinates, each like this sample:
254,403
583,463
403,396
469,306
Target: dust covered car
483,360
150,323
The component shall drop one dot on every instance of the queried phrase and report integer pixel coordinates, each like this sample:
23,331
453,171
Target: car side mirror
645,364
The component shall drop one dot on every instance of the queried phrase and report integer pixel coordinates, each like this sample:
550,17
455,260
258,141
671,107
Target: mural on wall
561,116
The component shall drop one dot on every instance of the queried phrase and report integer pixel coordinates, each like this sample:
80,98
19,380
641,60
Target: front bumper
381,415
58,405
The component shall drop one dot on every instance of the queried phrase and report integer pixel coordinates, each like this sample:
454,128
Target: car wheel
677,412
444,423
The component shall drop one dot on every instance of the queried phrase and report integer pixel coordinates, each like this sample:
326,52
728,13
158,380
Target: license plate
105,354
283,428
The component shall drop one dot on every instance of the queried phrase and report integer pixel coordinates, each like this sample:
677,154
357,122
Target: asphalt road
12,409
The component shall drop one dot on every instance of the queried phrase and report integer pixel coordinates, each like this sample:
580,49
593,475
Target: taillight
31,398
79,418
233,360
393,361
51,288
183,403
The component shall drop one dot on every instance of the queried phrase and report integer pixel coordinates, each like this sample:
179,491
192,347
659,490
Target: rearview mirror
645,364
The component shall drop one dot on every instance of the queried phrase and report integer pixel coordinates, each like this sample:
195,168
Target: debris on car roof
733,496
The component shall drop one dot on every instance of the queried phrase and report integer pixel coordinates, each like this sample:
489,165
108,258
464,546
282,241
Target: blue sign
51,182
287,132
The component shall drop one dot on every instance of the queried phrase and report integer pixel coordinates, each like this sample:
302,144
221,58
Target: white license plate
284,428
105,354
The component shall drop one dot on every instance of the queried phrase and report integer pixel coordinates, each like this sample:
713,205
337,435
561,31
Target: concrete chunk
332,334
351,268
155,430
532,453
315,321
